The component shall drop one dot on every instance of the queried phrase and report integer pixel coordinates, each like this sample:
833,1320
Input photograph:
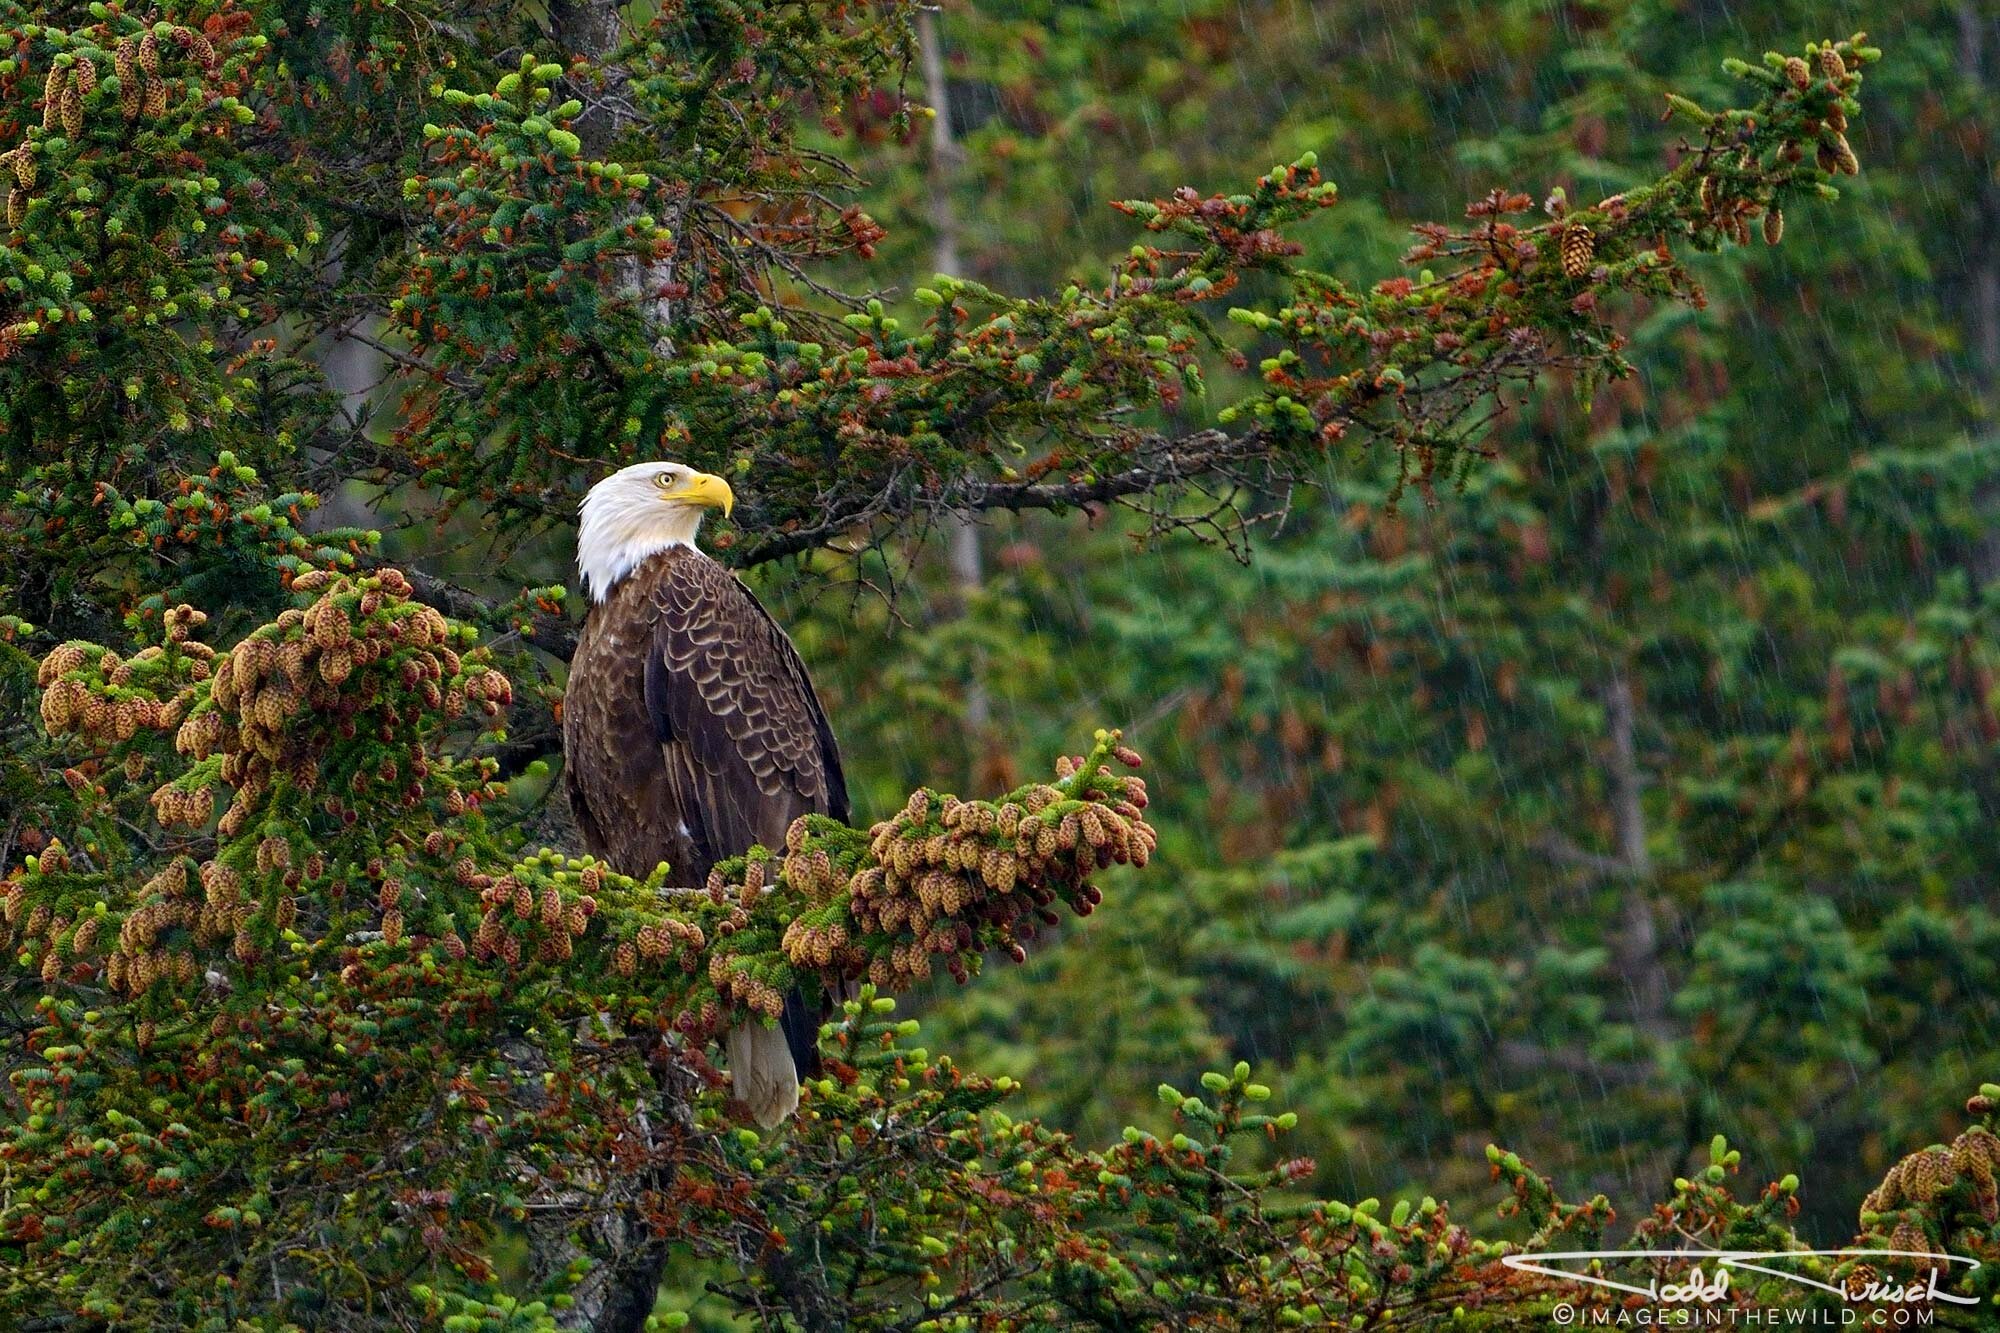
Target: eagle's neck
616,536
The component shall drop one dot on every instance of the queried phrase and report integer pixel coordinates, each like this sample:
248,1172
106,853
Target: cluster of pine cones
943,877
1940,1200
126,697
303,662
1924,1177
950,878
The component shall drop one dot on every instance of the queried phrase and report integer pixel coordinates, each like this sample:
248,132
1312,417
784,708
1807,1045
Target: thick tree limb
1168,464
1637,948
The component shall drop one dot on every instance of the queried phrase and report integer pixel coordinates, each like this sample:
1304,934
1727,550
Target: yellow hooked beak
705,489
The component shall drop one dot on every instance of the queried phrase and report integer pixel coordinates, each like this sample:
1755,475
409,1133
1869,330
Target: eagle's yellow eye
664,481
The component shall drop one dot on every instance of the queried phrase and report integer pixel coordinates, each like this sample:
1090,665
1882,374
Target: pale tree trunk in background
944,147
591,29
966,564
594,29
1637,951
354,370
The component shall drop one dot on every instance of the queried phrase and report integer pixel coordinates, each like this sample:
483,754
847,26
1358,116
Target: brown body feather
692,732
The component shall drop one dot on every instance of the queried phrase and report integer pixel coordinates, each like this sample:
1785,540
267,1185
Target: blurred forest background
1642,786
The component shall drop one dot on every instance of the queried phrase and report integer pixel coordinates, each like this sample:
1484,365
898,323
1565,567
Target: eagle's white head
638,512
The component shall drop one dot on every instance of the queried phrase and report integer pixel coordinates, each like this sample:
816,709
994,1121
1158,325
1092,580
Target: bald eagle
690,728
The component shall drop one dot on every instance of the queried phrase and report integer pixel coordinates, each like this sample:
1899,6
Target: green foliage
1388,738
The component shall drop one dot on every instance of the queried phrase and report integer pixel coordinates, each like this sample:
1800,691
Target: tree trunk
966,565
1637,949
591,29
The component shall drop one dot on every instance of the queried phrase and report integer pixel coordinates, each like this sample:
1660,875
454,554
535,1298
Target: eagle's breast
690,726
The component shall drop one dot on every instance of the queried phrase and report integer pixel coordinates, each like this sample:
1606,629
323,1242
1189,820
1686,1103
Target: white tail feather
760,1066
